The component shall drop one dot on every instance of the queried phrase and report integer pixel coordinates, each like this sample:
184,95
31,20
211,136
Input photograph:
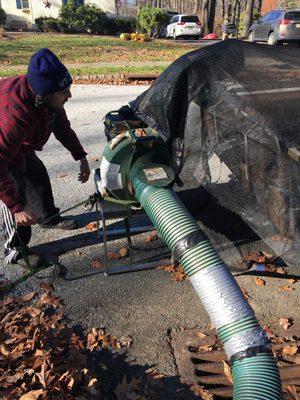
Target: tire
175,37
271,39
197,37
251,37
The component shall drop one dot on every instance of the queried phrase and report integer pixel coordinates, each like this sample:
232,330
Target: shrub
117,25
2,17
88,18
255,17
39,23
150,19
126,24
48,24
51,25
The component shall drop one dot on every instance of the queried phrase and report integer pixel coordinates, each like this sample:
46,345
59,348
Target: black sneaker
35,260
63,224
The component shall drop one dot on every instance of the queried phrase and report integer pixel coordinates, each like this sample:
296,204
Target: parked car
277,27
184,25
162,29
211,36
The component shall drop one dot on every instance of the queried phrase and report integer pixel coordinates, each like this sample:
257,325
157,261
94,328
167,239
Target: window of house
22,4
76,2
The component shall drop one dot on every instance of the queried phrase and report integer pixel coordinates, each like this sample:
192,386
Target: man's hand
84,174
25,218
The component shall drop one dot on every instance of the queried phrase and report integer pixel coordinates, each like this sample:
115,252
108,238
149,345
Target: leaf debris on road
41,357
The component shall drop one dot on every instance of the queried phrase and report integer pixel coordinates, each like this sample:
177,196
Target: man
31,108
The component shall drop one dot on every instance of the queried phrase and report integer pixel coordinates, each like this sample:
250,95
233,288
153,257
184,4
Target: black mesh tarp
237,107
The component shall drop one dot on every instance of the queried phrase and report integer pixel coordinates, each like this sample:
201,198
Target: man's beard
44,101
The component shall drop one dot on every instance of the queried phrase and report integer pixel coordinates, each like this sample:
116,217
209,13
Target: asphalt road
146,305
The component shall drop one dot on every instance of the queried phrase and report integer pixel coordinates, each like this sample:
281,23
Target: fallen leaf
200,334
125,341
167,268
32,395
286,323
246,294
267,255
4,350
71,383
227,371
269,331
281,270
179,275
290,350
203,393
153,373
42,375
255,257
113,255
92,340
259,281
271,268
291,389
77,253
63,175
94,158
92,386
123,252
291,281
47,299
92,226
97,264
287,288
27,297
46,287
152,237
206,347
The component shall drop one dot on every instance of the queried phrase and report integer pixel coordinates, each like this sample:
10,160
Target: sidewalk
101,64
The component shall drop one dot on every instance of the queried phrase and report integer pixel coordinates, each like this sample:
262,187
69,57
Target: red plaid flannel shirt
24,128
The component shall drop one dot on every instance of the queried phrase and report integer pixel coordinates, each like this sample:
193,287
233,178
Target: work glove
84,173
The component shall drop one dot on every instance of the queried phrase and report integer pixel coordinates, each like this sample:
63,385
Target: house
268,5
21,14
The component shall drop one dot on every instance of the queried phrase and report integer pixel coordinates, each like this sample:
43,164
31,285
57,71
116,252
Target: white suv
184,25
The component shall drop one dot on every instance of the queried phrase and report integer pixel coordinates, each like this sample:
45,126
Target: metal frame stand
111,211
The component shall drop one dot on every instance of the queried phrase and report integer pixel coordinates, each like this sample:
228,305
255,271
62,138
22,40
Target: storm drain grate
202,362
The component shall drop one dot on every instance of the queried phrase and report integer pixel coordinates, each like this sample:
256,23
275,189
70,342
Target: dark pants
33,184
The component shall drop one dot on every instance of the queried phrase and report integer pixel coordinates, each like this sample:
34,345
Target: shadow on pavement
121,379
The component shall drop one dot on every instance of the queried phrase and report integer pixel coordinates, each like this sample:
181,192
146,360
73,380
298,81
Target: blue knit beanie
46,74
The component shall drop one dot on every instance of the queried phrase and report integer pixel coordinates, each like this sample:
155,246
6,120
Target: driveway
146,305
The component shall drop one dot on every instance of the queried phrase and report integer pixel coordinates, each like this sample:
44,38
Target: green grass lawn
87,49
82,71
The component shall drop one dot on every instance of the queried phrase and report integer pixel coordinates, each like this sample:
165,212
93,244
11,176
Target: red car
211,36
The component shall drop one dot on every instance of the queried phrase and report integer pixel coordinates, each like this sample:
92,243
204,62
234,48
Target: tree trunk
205,16
234,11
196,6
228,13
259,6
248,17
211,17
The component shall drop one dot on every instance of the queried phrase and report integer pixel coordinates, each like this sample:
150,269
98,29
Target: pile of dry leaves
115,79
42,358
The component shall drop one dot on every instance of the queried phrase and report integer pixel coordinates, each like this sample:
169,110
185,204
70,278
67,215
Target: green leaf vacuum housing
136,168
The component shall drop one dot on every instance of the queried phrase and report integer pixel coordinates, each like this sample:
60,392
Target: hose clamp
188,241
